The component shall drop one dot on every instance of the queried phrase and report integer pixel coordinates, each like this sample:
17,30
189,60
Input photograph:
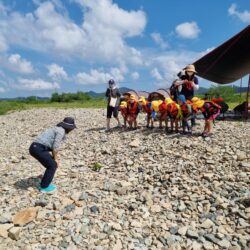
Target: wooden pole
247,97
240,90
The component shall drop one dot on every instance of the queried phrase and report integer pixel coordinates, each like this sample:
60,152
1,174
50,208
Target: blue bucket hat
182,98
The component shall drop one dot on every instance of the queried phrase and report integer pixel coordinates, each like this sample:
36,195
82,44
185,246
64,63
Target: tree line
228,93
70,97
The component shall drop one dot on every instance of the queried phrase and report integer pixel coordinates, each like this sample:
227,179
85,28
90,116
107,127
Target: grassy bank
6,106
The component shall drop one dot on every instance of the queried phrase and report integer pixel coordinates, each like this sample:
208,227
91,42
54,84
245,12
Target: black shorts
112,110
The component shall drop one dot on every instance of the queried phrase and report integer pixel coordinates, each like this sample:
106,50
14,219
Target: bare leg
125,122
119,124
172,125
108,123
135,123
148,120
160,123
205,127
209,127
166,124
176,125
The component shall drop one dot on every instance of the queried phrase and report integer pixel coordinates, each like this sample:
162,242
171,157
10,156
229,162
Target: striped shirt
51,138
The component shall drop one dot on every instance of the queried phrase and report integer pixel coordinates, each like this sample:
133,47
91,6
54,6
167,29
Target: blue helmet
111,82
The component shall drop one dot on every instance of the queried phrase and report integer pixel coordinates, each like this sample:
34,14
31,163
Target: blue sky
78,45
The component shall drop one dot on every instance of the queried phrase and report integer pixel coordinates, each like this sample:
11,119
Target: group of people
180,107
170,112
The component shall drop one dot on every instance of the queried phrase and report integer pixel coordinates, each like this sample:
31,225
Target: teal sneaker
50,189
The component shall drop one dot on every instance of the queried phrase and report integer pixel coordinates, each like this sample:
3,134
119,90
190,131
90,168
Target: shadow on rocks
28,182
95,129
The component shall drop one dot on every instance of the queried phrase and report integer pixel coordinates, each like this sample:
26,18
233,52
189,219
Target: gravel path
152,191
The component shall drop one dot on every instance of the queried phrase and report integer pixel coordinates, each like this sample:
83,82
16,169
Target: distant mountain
124,90
24,98
94,94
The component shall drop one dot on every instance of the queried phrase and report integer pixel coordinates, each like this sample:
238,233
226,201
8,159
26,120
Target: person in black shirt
113,94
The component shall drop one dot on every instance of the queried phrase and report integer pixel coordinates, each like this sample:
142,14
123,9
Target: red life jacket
185,110
163,107
217,100
132,108
172,109
124,111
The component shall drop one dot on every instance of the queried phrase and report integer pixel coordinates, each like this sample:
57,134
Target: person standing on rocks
113,94
45,149
210,111
188,84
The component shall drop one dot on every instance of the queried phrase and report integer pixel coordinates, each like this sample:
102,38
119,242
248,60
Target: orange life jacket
132,108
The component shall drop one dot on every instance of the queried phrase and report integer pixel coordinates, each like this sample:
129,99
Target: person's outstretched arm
56,157
59,137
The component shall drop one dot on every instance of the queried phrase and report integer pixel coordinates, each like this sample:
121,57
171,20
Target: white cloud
164,67
3,44
135,75
117,74
100,38
56,72
156,74
189,30
98,77
244,16
105,14
94,77
17,64
37,84
3,9
159,40
2,90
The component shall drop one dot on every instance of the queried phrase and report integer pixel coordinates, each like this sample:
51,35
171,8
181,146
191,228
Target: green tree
70,97
226,92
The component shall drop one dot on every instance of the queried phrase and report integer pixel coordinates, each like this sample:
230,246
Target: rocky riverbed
138,189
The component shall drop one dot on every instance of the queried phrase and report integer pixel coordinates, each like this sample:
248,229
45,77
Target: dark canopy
228,62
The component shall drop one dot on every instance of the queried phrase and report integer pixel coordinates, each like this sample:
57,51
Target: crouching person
155,107
210,111
133,111
173,114
162,114
187,114
124,112
145,106
45,149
